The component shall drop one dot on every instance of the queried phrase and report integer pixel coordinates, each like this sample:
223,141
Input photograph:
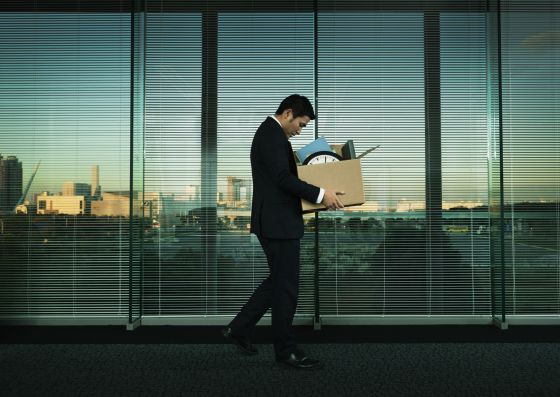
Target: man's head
294,113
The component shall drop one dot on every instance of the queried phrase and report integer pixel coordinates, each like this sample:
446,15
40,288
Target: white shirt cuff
320,196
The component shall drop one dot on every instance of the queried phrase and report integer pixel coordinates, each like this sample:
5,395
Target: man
276,219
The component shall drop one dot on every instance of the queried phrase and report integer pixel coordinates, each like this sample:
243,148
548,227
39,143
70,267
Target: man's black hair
299,104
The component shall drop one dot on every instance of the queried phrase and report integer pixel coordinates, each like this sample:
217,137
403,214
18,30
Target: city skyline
236,191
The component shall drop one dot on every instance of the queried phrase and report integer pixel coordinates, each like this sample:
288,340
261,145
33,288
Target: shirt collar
275,119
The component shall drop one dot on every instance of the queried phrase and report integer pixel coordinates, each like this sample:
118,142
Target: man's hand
331,200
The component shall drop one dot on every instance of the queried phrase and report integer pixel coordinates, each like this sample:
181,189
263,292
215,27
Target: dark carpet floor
37,366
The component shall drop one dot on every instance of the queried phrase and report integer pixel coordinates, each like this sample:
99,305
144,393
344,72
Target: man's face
294,125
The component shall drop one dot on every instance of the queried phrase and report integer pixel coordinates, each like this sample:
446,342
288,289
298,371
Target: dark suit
276,219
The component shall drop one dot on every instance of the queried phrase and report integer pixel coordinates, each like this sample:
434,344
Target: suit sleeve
278,167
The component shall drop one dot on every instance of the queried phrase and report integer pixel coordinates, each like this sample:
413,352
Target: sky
65,95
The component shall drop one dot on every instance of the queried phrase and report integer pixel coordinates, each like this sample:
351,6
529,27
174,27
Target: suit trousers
279,291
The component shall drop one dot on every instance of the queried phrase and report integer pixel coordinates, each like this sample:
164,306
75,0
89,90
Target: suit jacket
276,209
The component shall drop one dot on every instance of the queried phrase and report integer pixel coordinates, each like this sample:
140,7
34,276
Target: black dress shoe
242,342
299,360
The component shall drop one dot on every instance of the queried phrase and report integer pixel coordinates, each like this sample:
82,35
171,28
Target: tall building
76,189
95,187
233,189
11,181
239,191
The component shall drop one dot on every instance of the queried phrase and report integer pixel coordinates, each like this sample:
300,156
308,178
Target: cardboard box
345,175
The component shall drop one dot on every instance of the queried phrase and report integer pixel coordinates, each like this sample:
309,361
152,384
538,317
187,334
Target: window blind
531,135
464,141
371,90
381,258
175,255
64,133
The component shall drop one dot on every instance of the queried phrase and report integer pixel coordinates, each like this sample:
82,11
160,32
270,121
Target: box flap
367,151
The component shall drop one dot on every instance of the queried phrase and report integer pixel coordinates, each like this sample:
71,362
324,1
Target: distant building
446,205
111,207
405,205
72,189
192,193
68,188
117,203
247,192
11,181
95,187
76,189
233,189
239,191
67,205
116,195
153,204
36,196
368,206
